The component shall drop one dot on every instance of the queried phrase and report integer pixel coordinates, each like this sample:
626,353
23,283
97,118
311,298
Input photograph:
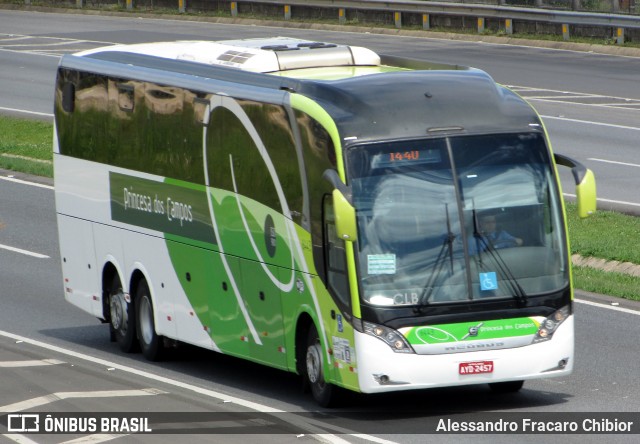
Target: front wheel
324,393
150,343
121,312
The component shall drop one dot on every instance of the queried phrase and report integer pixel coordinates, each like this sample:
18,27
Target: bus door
338,319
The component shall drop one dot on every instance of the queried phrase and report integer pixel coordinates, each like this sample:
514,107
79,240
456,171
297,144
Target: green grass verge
605,234
25,146
602,282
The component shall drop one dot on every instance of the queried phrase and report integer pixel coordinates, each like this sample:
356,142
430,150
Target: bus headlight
394,339
550,325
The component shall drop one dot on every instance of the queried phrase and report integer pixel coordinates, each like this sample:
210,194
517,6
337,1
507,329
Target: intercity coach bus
318,208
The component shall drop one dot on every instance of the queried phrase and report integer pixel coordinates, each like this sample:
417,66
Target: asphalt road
33,308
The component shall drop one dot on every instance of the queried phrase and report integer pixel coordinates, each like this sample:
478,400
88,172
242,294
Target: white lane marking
567,93
564,96
614,162
20,250
32,363
14,37
332,439
617,105
57,56
24,111
373,438
607,200
20,439
619,202
53,397
588,122
94,439
609,307
45,45
26,182
573,98
26,252
55,43
596,105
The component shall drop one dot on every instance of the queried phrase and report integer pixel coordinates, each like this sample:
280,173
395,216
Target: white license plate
474,368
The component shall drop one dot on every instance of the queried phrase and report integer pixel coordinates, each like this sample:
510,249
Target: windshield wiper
447,245
518,291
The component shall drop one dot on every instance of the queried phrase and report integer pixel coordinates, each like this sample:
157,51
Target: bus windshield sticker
381,264
488,281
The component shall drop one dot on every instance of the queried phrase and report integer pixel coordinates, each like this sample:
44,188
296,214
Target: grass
602,282
605,234
25,146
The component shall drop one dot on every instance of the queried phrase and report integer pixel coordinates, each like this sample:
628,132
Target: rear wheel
122,326
150,343
323,392
506,387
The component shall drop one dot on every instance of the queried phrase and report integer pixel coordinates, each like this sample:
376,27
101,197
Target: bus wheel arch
109,271
310,363
302,331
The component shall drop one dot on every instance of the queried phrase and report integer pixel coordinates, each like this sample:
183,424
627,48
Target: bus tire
506,387
324,393
122,318
150,343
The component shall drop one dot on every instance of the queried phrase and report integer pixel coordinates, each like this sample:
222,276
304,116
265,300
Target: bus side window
335,256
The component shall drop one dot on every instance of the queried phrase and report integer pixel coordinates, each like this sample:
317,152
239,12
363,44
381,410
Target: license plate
474,368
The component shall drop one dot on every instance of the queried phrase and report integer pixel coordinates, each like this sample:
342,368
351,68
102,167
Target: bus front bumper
380,369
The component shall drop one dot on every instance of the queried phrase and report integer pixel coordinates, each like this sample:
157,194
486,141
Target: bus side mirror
345,213
586,194
345,217
585,184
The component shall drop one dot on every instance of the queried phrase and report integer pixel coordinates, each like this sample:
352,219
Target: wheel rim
146,320
314,364
118,312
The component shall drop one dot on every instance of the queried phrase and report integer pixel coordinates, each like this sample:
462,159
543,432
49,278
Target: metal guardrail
472,10
615,24
618,23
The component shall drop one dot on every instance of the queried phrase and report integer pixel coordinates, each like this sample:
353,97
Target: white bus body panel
84,243
79,269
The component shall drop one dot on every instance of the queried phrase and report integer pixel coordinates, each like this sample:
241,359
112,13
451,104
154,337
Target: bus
318,208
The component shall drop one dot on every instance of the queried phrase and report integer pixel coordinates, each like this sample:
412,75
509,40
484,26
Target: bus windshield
457,219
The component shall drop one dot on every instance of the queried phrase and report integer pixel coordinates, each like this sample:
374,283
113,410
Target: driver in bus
491,236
